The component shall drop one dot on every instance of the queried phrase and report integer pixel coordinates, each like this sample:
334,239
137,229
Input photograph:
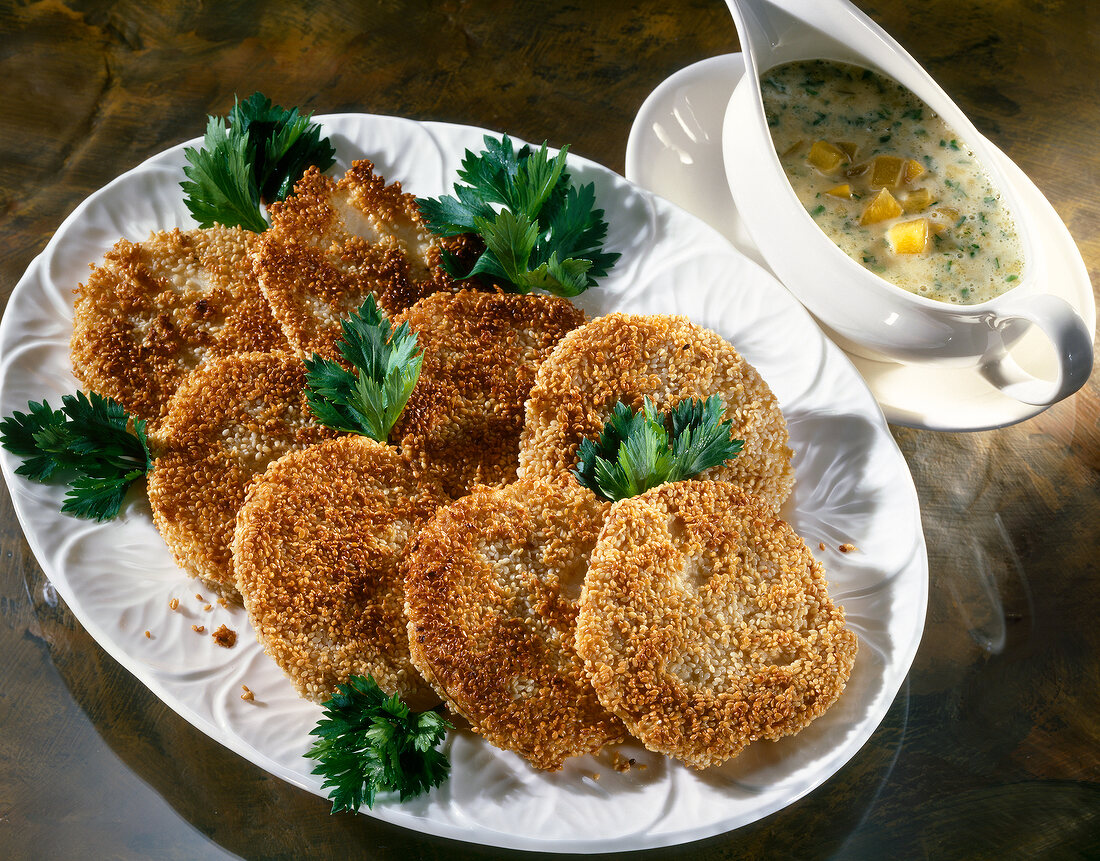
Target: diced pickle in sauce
793,148
908,199
858,170
917,200
882,208
887,172
826,156
909,237
943,217
850,148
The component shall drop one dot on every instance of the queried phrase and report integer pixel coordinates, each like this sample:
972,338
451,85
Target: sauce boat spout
779,31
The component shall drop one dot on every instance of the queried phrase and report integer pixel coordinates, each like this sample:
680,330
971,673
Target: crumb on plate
225,637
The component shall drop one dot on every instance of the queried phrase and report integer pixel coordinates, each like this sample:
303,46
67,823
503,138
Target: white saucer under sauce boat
863,313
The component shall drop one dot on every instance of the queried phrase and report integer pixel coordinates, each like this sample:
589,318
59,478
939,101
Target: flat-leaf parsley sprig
540,230
89,439
640,450
385,366
253,156
368,743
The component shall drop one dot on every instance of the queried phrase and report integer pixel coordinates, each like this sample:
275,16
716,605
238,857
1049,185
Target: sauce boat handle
1066,331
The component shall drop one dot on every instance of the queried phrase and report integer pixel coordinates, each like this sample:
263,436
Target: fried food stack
463,562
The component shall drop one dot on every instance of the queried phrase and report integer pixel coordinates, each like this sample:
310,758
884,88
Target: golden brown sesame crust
225,425
333,243
705,623
481,352
317,554
153,310
491,594
629,357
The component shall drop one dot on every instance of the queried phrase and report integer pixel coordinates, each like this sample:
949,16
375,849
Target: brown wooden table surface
990,749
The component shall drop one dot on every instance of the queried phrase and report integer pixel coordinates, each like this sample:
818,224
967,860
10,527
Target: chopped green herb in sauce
861,125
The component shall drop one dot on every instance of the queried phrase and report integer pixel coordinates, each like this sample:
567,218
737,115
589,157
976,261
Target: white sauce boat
862,312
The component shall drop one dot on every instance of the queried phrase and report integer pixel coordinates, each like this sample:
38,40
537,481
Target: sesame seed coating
481,352
317,553
491,594
333,243
228,421
152,311
630,357
705,623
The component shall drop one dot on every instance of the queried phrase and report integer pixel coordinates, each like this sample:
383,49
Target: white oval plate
675,150
853,486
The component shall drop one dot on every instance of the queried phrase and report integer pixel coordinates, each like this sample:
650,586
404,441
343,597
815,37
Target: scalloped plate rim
893,677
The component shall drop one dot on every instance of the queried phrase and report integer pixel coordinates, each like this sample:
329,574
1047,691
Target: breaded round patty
229,420
481,352
152,311
491,593
317,554
333,243
705,623
629,357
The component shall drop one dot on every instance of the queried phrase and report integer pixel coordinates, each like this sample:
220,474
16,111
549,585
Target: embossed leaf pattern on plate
853,486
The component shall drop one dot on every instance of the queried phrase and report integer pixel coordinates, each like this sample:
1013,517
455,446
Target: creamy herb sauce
844,135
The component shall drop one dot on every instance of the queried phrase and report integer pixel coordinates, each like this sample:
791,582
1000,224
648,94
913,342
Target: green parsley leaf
700,437
637,451
255,155
368,399
540,231
221,189
89,437
284,141
17,435
98,497
369,743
